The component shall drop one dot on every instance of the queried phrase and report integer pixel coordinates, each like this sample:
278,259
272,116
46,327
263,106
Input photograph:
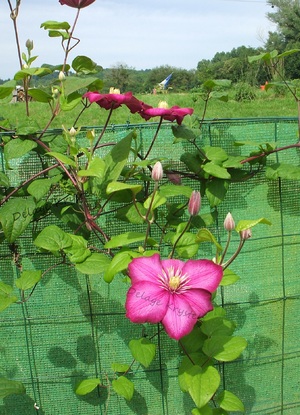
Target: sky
142,34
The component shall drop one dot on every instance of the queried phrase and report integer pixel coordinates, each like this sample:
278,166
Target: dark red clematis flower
109,101
169,114
78,4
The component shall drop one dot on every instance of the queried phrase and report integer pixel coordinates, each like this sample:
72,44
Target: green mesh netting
74,327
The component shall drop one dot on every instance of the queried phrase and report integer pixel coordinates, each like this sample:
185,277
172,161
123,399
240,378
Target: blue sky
139,33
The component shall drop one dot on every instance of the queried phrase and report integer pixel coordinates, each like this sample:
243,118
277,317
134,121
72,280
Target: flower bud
72,132
157,171
61,76
163,104
229,224
174,178
29,44
246,234
194,203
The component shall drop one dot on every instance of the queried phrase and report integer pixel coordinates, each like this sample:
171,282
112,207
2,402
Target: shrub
244,92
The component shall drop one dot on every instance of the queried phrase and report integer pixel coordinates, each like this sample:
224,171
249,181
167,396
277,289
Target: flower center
174,282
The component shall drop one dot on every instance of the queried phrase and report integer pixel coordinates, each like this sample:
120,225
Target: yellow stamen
174,282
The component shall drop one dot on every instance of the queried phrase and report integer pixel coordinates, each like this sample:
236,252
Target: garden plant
81,178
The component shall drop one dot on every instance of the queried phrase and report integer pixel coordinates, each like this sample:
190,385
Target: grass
266,105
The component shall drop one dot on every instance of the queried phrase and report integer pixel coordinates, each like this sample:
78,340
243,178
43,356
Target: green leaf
39,95
75,83
204,235
124,239
221,96
216,154
17,148
28,279
10,387
53,239
96,168
119,263
187,246
6,301
40,187
282,170
4,180
266,57
216,191
15,216
229,278
69,102
84,65
78,251
169,190
204,385
52,24
142,350
123,387
189,366
288,52
233,162
96,263
25,73
113,187
224,348
116,160
205,410
155,202
7,88
129,213
218,326
216,171
120,367
86,386
230,402
185,133
247,224
5,289
62,157
193,342
216,312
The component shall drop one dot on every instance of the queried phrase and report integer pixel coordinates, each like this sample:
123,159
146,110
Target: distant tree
286,16
233,65
118,77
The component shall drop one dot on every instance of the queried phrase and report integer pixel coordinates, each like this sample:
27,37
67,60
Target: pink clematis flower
78,4
171,291
169,114
109,101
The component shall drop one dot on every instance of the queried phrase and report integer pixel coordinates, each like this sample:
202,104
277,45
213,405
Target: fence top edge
167,124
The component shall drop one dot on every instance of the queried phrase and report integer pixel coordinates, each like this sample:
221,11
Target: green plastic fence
74,326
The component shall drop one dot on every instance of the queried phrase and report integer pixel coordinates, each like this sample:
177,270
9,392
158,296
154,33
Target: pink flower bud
229,224
157,171
246,234
194,203
174,178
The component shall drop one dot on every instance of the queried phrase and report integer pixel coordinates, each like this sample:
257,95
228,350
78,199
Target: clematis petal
145,269
146,303
184,310
203,273
107,101
78,4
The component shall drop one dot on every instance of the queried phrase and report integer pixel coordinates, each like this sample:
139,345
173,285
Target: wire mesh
74,327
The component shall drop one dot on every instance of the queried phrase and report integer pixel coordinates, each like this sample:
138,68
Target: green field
267,104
